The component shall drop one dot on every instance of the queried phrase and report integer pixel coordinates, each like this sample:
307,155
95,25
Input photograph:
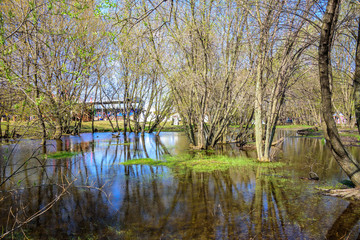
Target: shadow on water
133,202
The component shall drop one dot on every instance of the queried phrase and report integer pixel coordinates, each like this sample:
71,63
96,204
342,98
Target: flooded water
91,196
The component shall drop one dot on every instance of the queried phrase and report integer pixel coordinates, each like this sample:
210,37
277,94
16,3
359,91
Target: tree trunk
125,102
125,123
43,127
58,128
129,122
342,156
0,126
7,128
154,125
200,142
162,126
116,121
92,118
357,81
258,112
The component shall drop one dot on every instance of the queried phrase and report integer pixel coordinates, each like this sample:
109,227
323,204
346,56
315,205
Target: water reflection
132,202
344,224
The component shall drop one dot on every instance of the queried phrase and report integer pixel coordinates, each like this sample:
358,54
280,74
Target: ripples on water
111,201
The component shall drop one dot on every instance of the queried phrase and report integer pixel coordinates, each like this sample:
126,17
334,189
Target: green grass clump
61,154
143,161
202,163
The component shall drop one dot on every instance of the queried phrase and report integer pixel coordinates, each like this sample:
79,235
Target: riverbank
294,126
350,137
105,126
33,131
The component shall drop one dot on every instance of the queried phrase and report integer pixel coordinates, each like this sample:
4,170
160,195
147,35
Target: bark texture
342,156
357,81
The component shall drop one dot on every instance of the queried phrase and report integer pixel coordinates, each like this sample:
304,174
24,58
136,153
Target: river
89,195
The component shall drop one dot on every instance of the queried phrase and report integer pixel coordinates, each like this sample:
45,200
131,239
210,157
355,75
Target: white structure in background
175,119
150,118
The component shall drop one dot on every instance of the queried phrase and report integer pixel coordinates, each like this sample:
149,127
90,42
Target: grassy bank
294,127
32,130
348,136
105,126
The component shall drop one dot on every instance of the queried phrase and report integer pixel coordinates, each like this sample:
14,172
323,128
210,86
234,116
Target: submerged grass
202,163
61,154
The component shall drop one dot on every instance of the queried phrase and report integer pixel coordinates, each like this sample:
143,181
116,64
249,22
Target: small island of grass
202,163
60,155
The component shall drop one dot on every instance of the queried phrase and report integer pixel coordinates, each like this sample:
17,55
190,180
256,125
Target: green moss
61,154
201,163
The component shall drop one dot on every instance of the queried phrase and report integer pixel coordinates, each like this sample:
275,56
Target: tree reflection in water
343,227
116,201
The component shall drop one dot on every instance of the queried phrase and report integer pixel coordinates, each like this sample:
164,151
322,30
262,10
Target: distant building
111,109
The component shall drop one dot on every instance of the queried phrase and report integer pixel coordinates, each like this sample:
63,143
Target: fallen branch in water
347,193
278,142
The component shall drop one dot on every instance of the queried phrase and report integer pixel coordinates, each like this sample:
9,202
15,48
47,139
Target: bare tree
282,39
347,162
